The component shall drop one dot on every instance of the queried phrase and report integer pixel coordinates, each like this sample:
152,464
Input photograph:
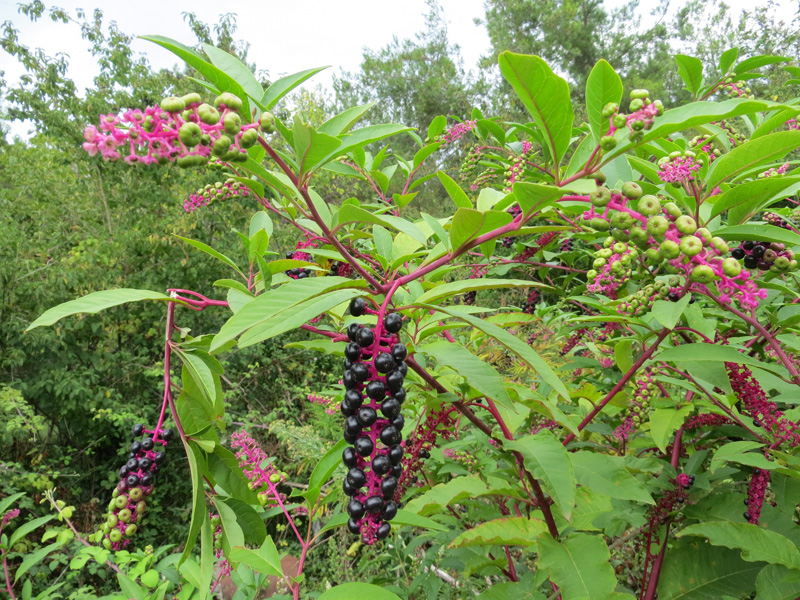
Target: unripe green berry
591,274
232,123
672,209
190,134
605,252
192,98
620,120
221,146
121,501
172,104
691,245
620,235
632,190
208,114
657,225
649,205
609,110
267,122
703,274
619,248
636,136
599,224
141,507
249,138
130,530
653,255
686,224
600,197
640,94
115,535
621,220
720,245
136,494
608,143
599,263
670,249
636,104
705,235
229,100
731,267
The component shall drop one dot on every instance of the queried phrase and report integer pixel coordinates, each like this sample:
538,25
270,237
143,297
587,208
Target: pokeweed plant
653,453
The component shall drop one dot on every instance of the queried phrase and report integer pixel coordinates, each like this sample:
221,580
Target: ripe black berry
350,438
136,447
352,426
145,464
389,511
357,306
356,477
384,362
424,453
167,435
396,454
352,331
349,380
747,516
346,408
360,372
403,368
349,457
160,457
395,381
389,487
364,446
147,479
348,489
737,253
381,465
123,471
393,322
400,395
399,352
365,337
132,480
138,429
748,245
355,509
366,416
674,296
383,531
376,390
352,351
758,251
352,526
390,408
391,436
750,262
374,504
399,421
290,254
353,398
397,470
147,444
132,464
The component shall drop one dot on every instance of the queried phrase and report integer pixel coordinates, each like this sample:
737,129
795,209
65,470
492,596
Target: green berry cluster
643,300
470,164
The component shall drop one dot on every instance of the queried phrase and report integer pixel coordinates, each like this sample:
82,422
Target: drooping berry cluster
456,132
573,340
463,458
643,112
643,300
705,143
478,271
437,424
299,254
671,500
470,164
644,391
567,245
224,565
529,306
264,477
183,130
766,256
341,269
707,420
774,171
513,172
217,191
137,476
780,221
611,267
736,89
374,373
756,491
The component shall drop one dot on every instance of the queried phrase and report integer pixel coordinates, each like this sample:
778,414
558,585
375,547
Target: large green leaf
755,152
696,353
452,288
533,197
286,84
507,531
265,560
355,214
691,71
478,373
34,558
344,121
756,543
608,475
410,519
199,514
512,343
212,252
442,495
776,582
751,231
275,302
457,195
549,462
700,571
664,422
323,471
467,224
367,135
224,467
313,148
237,70
94,303
746,200
24,529
580,566
545,95
349,591
603,85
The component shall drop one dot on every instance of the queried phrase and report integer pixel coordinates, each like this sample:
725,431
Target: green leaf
24,529
608,475
756,62
265,560
740,452
349,591
344,121
206,571
508,531
425,152
286,84
778,118
479,374
512,343
274,302
461,488
211,252
203,368
664,422
410,519
548,460
367,135
768,233
533,197
467,224
216,76
746,200
545,95
755,543
776,582
603,85
354,214
129,587
669,313
8,501
313,148
580,566
452,288
694,353
237,70
34,558
383,244
224,467
94,303
323,471
691,71
457,195
727,59
755,152
699,571
436,126
623,354
199,513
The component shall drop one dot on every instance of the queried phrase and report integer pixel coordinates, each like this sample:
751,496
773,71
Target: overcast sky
285,36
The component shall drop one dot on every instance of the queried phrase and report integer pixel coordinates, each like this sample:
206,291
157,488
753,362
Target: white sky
285,36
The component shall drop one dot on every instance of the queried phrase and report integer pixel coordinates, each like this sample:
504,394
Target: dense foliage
577,380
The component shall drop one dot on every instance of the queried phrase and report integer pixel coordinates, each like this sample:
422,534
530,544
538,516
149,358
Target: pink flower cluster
755,494
793,124
257,467
219,191
707,420
11,514
465,459
329,404
775,171
457,131
756,404
418,445
677,170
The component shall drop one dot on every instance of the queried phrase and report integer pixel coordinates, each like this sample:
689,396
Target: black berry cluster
374,373
765,256
529,306
137,476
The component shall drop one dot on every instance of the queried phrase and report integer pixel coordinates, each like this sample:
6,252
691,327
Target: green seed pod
653,255
229,100
115,535
657,225
649,205
599,224
121,501
705,235
691,245
124,515
249,138
208,114
190,134
600,197
703,274
673,209
141,507
636,104
686,224
107,543
221,146
608,143
172,105
232,123
609,110
192,98
599,263
620,120
670,249
720,245
130,530
731,267
632,190
640,94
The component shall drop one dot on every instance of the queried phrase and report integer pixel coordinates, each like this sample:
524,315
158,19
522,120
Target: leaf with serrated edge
508,531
